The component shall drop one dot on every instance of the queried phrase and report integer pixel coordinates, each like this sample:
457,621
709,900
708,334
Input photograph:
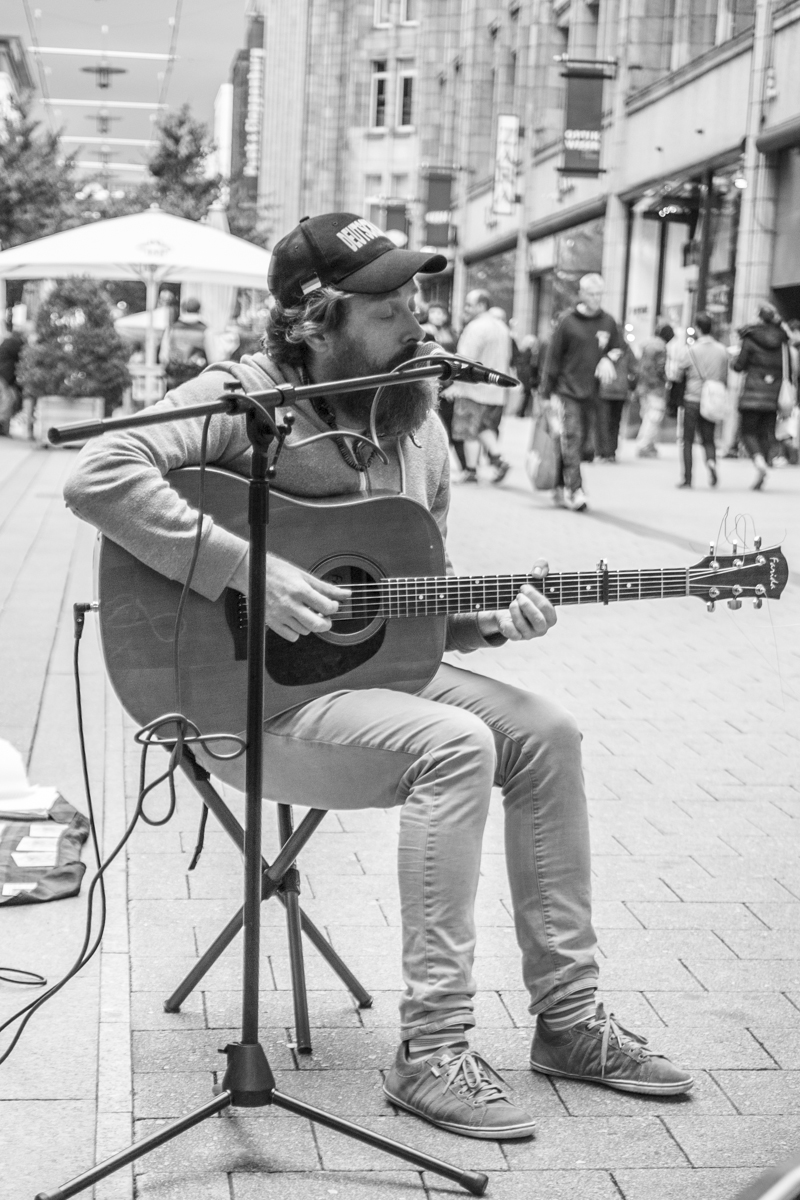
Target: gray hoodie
118,482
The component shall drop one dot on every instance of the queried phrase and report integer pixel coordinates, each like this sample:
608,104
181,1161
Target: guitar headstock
760,574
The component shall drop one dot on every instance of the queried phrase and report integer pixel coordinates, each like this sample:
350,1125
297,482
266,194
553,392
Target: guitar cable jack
79,612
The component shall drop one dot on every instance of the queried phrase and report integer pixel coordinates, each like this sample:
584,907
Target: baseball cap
342,249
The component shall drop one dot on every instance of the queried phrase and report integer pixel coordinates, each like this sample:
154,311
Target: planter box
64,410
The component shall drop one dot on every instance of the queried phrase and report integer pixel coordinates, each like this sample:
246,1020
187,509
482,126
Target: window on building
405,94
396,223
400,187
382,12
373,185
377,97
409,14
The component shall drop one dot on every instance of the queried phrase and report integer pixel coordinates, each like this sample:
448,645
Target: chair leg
273,878
291,891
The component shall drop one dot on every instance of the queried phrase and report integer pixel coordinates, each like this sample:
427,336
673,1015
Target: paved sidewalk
691,725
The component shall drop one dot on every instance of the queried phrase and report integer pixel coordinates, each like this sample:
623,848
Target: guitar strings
370,598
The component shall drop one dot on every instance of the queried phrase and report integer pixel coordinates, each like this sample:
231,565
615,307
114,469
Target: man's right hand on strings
297,603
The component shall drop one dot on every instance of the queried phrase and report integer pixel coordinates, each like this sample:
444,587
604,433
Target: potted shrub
76,367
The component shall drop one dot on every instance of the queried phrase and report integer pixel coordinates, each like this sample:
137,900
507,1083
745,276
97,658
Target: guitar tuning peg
734,604
758,602
757,542
735,547
711,606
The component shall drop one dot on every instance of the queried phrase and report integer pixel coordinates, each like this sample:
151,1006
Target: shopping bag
787,396
714,401
543,462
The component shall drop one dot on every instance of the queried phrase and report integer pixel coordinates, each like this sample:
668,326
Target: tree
77,351
178,183
37,184
246,219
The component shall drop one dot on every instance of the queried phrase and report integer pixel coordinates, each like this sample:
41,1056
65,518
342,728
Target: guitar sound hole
363,607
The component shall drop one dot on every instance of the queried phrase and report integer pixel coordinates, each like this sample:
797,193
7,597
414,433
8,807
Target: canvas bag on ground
714,399
787,396
544,453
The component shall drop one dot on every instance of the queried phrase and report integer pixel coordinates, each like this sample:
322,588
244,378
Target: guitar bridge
236,616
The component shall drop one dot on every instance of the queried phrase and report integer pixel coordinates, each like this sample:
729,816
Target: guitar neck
430,595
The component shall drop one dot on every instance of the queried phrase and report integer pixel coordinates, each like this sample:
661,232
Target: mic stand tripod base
474,1182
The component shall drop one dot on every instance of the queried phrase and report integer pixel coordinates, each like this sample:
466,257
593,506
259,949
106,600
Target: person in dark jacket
581,357
653,389
761,359
611,403
11,347
438,327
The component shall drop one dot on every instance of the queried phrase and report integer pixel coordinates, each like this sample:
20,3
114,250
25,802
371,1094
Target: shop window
495,275
405,95
377,96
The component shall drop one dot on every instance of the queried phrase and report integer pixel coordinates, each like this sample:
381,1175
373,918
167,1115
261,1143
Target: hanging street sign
583,120
506,166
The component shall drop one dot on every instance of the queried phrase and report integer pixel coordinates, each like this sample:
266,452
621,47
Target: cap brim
391,270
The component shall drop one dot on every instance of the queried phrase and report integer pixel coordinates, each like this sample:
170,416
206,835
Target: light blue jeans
437,754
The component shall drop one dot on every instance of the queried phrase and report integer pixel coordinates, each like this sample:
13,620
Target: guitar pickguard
312,660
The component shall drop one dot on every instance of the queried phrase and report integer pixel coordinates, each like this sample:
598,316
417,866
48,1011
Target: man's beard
402,408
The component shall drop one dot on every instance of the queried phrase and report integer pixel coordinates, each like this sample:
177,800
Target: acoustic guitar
388,550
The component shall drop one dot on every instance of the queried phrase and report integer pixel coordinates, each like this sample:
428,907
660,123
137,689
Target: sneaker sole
506,1133
621,1085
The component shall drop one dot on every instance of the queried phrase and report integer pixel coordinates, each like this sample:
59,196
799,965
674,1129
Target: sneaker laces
470,1074
622,1036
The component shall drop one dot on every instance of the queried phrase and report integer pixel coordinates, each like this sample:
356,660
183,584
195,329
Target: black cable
186,732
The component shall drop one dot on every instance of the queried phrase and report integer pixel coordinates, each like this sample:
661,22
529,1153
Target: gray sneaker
459,1092
601,1051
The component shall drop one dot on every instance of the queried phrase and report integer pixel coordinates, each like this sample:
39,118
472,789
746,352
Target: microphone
456,367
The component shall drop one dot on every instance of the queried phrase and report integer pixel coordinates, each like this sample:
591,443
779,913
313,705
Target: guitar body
346,540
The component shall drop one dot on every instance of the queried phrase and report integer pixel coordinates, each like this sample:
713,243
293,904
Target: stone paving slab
692,748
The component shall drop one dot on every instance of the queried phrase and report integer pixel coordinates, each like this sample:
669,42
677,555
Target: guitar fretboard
431,595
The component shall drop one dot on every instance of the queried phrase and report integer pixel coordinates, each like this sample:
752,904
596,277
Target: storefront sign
506,166
437,209
583,121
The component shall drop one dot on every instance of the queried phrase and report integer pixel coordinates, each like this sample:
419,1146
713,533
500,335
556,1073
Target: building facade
695,203
341,111
444,121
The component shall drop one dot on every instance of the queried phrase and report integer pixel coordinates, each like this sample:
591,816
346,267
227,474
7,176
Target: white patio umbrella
217,300
151,246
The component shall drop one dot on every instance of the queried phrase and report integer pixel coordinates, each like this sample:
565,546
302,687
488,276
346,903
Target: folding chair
280,879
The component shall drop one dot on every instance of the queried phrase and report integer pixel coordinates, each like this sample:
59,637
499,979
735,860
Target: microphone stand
248,1081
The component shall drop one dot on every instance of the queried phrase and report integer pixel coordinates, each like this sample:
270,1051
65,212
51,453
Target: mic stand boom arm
234,402
248,1080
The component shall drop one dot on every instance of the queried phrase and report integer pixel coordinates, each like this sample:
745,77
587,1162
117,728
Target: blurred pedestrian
581,357
706,359
479,406
761,360
653,389
526,368
183,351
612,400
11,347
439,328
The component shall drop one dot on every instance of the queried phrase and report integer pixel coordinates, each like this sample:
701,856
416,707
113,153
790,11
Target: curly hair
290,327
